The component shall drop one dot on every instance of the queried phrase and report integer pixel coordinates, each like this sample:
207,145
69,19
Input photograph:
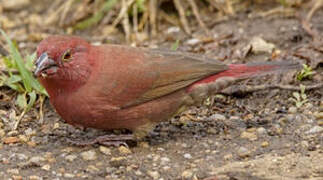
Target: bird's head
62,60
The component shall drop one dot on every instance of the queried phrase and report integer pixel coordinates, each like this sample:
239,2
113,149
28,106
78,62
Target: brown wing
174,71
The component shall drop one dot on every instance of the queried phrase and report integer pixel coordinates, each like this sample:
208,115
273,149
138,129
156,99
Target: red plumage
113,87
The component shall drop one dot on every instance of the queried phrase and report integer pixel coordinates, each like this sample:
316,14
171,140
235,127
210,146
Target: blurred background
136,21
242,133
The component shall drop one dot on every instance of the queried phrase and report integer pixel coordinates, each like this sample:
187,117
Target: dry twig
125,23
123,11
197,15
153,16
318,4
182,16
65,10
249,89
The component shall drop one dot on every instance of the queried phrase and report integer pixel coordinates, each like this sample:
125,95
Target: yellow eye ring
67,56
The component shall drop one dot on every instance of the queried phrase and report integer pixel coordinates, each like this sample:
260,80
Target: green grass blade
97,16
32,99
21,101
28,79
175,45
26,75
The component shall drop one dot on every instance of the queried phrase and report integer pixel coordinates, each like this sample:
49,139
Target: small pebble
13,171
318,115
259,45
304,144
320,122
217,117
14,177
187,174
292,110
173,29
261,131
46,167
138,173
34,177
124,150
10,140
144,145
315,129
2,133
30,132
89,155
118,161
153,174
187,156
71,157
36,159
92,169
105,150
243,152
265,144
227,156
192,42
68,175
164,159
248,135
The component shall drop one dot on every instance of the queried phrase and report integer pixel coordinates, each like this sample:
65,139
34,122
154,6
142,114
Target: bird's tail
242,71
236,72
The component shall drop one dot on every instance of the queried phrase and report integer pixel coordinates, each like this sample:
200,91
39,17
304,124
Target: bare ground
259,135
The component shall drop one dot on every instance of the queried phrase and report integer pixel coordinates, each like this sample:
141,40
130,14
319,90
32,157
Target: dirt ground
259,135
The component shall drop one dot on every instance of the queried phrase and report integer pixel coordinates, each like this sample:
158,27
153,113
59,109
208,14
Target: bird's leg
106,140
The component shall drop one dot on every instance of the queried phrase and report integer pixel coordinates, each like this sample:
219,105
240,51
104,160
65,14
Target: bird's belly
87,114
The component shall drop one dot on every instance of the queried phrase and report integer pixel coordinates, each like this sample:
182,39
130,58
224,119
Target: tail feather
243,71
260,69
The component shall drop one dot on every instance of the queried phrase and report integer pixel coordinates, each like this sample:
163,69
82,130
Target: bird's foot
106,140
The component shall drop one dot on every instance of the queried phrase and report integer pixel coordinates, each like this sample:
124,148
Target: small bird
119,87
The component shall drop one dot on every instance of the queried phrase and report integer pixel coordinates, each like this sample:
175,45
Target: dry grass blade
249,89
125,23
197,15
317,5
153,16
123,11
65,10
181,12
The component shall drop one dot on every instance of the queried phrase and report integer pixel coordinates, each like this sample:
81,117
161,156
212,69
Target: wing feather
175,71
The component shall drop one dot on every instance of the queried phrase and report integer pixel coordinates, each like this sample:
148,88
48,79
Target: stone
105,150
248,135
153,174
187,156
265,144
314,130
124,150
89,155
36,159
69,175
261,131
259,45
71,157
10,140
118,161
217,117
46,167
187,174
318,115
165,160
292,110
243,152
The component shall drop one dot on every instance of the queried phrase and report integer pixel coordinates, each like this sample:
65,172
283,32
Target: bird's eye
67,56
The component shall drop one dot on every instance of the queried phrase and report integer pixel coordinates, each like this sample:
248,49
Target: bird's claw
106,140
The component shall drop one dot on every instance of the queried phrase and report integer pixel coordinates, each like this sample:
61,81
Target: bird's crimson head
62,58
